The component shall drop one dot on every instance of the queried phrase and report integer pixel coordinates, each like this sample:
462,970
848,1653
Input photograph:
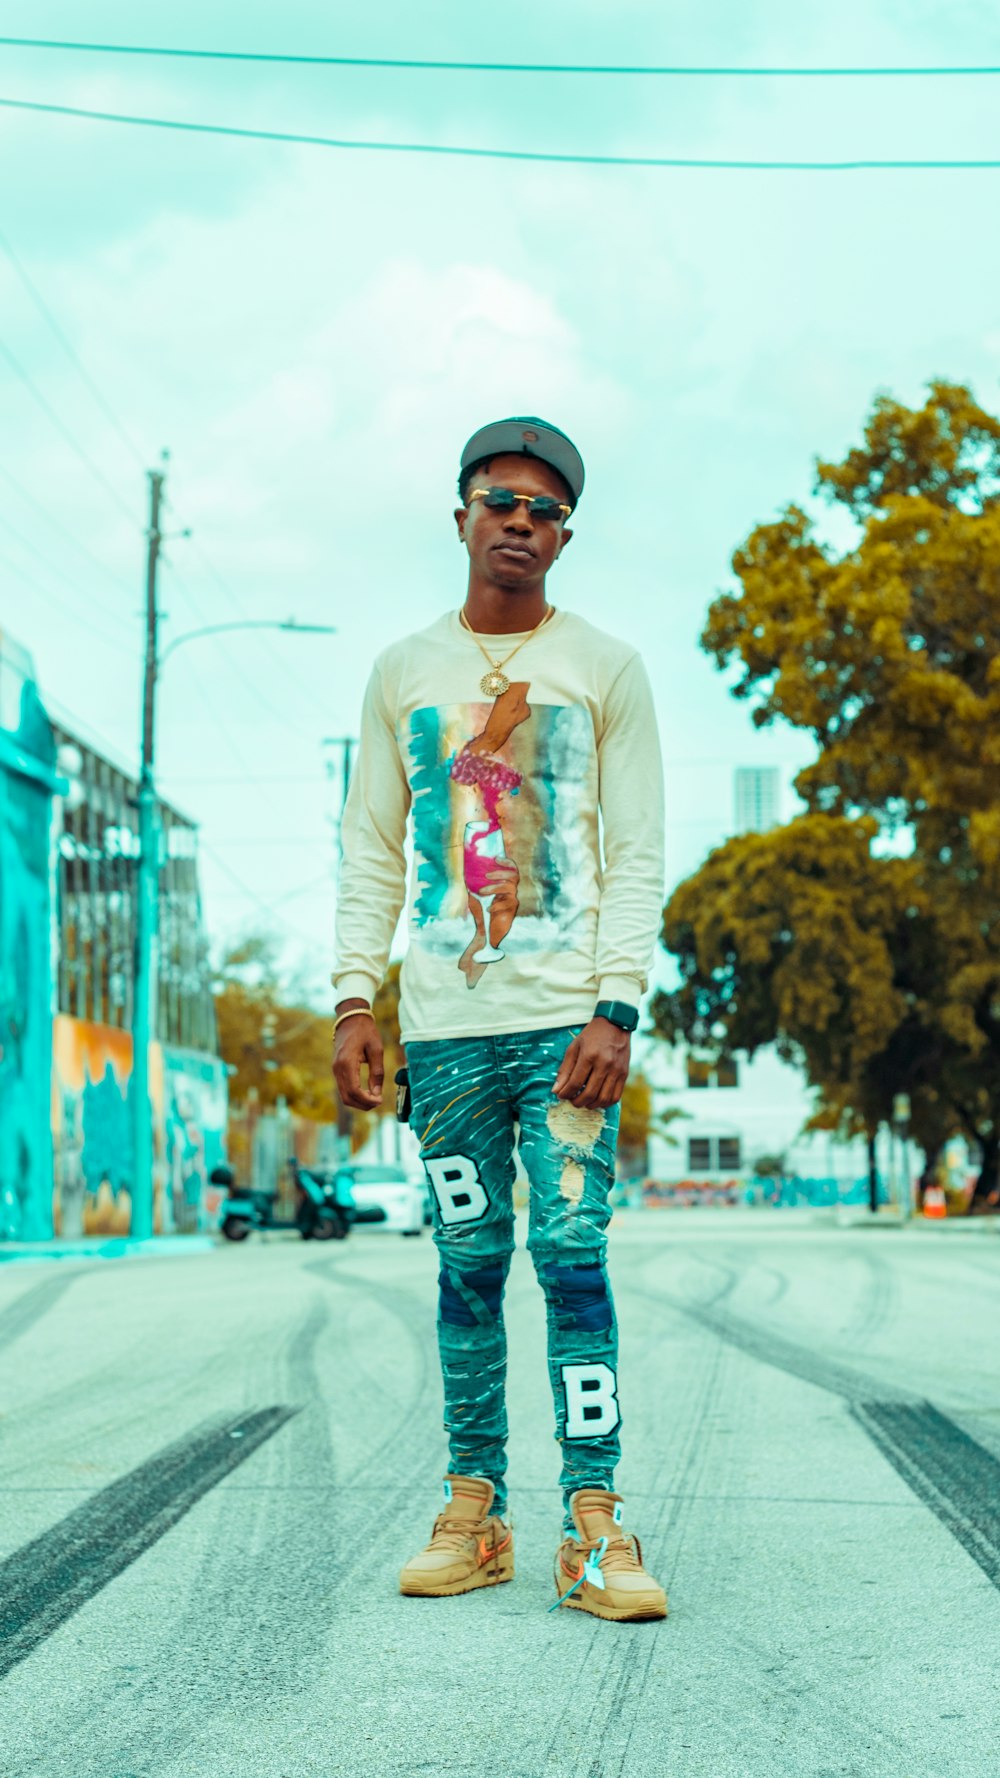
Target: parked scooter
323,1210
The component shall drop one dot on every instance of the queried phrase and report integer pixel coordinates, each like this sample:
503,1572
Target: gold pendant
494,683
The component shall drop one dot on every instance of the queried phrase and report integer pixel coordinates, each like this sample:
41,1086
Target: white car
386,1197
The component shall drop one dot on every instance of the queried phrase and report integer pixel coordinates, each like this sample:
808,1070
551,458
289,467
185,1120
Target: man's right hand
357,1041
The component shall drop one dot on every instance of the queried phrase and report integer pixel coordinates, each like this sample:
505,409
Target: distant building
755,799
68,856
97,852
737,1114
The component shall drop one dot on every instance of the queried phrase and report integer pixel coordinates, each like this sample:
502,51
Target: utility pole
147,921
147,917
346,743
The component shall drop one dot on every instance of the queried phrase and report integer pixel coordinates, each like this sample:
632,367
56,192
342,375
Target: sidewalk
103,1247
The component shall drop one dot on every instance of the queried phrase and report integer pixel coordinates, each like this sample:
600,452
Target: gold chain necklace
495,682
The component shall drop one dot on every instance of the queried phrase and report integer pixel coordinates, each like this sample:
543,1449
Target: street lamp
252,623
148,884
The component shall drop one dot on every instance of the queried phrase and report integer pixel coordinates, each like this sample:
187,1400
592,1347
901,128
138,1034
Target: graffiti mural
92,1129
27,782
195,1103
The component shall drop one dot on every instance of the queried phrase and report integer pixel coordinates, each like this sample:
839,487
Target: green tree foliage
269,1036
880,973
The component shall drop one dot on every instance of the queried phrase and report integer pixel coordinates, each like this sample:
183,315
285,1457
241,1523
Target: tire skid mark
877,1299
631,1652
945,1468
416,1325
217,1622
49,1579
948,1471
677,1528
21,1315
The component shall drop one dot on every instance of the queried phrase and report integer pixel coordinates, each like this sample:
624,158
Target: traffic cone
935,1202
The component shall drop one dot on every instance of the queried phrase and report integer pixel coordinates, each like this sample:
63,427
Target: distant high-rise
755,798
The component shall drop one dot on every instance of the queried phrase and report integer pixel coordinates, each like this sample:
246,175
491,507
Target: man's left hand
595,1067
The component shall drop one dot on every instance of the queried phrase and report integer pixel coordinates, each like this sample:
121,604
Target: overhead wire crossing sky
419,65
552,157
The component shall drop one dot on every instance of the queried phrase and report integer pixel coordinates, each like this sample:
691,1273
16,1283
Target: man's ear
461,514
566,537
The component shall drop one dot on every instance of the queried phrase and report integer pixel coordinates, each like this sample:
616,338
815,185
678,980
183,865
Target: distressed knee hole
571,1180
580,1294
574,1126
467,1298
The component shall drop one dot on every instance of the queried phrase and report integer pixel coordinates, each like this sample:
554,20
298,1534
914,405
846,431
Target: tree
881,973
281,1049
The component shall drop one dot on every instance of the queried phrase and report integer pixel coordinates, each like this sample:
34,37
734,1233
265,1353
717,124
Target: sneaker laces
453,1534
620,1553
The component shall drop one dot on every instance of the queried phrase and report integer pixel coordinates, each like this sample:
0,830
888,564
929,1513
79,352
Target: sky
312,334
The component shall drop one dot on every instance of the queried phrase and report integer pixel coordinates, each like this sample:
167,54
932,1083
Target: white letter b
591,1400
457,1187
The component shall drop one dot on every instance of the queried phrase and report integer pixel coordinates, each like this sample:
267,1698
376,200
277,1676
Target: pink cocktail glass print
483,845
484,842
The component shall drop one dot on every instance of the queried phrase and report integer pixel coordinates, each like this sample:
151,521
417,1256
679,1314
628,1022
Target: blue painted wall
27,782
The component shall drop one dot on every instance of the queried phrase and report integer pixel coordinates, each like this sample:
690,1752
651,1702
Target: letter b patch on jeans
591,1392
457,1187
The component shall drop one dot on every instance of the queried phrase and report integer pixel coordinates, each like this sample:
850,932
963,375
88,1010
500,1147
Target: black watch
618,1012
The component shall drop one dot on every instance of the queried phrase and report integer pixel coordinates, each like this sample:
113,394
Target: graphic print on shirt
498,794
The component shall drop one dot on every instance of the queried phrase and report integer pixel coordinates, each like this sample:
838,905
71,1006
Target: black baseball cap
526,435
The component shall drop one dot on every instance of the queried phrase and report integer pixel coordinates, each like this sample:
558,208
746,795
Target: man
527,958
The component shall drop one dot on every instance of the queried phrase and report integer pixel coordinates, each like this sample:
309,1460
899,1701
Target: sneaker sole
490,1575
619,1614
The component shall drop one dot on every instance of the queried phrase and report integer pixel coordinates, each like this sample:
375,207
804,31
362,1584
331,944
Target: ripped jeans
470,1096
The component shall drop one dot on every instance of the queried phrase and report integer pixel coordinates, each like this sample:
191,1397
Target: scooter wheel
236,1228
330,1228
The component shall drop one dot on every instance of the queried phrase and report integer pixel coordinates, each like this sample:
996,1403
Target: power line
60,573
281,778
59,527
268,907
70,611
274,656
281,716
119,426
65,433
505,154
54,327
277,840
678,71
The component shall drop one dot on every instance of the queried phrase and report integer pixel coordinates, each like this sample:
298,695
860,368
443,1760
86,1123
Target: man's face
513,549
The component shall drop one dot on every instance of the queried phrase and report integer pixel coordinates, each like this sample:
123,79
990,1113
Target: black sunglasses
541,506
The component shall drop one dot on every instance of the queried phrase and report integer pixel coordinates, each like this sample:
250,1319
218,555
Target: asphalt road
212,1467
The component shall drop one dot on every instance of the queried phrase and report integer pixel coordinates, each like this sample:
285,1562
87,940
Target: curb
103,1247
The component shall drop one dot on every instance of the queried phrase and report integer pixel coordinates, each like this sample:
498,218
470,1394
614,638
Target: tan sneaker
603,1572
469,1546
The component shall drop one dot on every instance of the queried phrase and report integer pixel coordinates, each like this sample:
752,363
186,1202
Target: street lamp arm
245,624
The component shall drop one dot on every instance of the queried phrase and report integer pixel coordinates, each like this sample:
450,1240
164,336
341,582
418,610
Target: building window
755,798
723,1073
714,1154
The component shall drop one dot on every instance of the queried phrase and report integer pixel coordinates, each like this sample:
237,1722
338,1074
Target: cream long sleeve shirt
519,918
